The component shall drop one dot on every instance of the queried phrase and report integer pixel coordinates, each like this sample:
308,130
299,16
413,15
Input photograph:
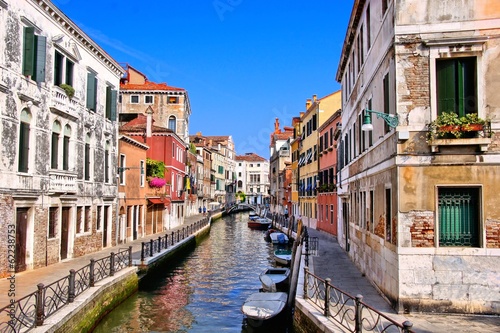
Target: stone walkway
333,262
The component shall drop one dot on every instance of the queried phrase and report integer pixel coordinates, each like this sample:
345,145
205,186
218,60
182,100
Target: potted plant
449,125
70,91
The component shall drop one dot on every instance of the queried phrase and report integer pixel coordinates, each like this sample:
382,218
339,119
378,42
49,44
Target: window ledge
481,142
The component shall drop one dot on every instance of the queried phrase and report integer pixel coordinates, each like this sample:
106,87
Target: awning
158,201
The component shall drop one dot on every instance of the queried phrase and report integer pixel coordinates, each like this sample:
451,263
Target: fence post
71,286
159,243
142,251
130,256
173,238
151,247
306,238
357,316
91,273
306,278
407,325
40,315
112,264
166,240
327,297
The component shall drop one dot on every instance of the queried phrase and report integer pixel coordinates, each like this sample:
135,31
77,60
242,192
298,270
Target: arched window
56,131
87,158
172,123
24,140
106,162
66,138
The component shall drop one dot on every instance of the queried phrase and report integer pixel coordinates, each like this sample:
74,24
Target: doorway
105,229
64,232
21,236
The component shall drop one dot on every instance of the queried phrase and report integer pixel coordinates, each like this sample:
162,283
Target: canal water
204,291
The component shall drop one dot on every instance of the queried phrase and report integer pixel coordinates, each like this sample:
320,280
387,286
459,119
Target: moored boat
260,223
283,257
275,279
278,238
261,308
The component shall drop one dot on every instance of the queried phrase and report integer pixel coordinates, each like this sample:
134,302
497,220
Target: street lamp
391,119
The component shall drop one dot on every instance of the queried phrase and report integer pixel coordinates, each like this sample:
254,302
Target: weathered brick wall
40,237
492,234
422,229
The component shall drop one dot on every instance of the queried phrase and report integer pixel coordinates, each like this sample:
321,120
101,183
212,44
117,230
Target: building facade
419,215
252,178
59,137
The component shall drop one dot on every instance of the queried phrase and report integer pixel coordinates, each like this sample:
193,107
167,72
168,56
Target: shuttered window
456,85
110,103
458,210
91,91
24,146
34,55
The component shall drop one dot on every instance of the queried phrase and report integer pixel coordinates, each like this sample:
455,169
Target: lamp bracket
391,119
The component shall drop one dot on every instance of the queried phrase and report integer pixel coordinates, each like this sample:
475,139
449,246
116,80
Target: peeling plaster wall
42,187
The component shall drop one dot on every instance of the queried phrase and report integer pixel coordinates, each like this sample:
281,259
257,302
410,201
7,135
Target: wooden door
64,232
21,236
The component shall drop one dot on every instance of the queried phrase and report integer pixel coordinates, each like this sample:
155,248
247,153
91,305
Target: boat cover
263,306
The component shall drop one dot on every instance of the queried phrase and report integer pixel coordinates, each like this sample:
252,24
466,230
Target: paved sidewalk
333,262
26,282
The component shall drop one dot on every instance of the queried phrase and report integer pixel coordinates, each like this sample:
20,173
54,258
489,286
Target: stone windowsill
481,142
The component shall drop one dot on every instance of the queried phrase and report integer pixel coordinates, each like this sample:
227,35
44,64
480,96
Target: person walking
286,213
204,210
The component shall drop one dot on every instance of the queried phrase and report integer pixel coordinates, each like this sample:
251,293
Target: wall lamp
391,119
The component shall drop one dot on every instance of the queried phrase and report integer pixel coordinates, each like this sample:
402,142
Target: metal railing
31,310
348,311
157,245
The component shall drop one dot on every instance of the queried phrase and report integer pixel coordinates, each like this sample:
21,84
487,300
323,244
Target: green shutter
24,143
113,104
108,102
91,91
468,82
55,153
41,45
29,51
445,86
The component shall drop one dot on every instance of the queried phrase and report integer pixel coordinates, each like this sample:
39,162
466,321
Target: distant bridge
240,206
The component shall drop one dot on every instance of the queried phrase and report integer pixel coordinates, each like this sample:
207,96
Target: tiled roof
218,138
250,157
149,86
139,125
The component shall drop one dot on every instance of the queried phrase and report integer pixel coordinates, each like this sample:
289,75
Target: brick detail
422,229
492,234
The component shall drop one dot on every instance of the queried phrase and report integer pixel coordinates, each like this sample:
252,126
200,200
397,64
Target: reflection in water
203,292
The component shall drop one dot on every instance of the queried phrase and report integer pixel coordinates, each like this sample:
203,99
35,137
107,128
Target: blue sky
243,62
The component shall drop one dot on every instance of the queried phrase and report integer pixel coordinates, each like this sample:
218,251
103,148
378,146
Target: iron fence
348,311
31,310
153,246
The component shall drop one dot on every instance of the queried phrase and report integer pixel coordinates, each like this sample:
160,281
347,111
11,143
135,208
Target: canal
202,292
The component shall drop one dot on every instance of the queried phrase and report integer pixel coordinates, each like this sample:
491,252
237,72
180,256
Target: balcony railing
62,181
61,102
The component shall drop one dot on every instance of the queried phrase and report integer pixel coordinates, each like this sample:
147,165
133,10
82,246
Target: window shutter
108,102
41,44
55,144
87,161
24,142
29,51
66,153
113,104
445,86
91,91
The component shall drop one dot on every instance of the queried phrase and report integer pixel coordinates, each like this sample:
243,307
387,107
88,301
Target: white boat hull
262,307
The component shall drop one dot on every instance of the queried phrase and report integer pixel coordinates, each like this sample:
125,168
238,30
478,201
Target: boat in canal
283,257
264,308
259,223
278,238
275,279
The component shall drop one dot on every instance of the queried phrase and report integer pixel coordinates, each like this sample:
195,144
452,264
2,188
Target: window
24,140
384,6
91,91
458,211
52,222
106,162
456,85
368,36
79,221
143,174
134,99
122,169
387,108
149,99
172,123
56,132
388,215
66,138
110,103
87,221
63,70
173,100
98,218
87,158
34,55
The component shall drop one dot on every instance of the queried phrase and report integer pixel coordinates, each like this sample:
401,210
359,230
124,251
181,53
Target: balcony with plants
450,129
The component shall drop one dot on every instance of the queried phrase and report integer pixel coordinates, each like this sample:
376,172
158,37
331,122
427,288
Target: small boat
260,223
261,308
275,279
283,257
278,238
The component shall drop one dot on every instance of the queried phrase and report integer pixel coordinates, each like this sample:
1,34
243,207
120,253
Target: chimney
308,103
149,122
315,97
276,125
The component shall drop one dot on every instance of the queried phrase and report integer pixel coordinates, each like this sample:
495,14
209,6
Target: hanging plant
157,182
